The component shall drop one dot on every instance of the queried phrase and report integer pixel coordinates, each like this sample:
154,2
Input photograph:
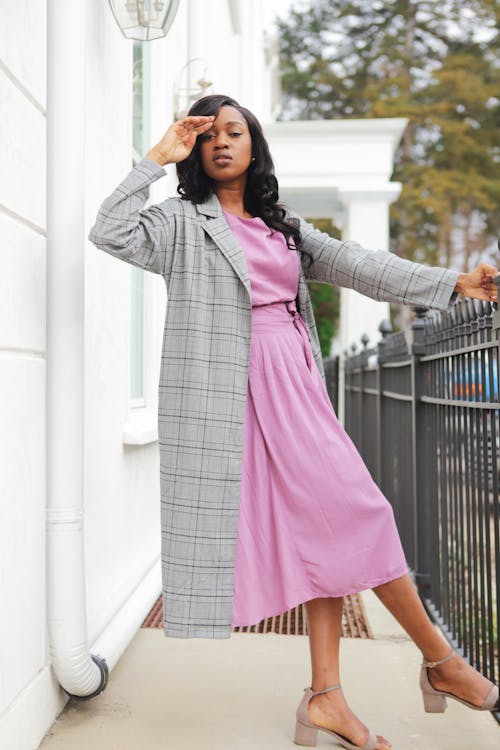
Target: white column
195,30
366,220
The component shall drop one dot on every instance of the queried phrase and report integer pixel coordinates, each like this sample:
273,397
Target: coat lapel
215,225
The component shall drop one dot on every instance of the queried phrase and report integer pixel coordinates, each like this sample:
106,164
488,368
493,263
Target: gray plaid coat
204,366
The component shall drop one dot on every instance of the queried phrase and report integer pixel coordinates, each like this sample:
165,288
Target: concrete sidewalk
241,694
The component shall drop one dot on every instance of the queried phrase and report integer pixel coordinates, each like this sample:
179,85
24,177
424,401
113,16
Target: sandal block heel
434,704
306,732
305,735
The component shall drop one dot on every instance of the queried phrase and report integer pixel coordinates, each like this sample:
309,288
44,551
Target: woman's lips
222,159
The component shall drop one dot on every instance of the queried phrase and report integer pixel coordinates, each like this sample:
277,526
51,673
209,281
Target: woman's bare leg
330,710
456,676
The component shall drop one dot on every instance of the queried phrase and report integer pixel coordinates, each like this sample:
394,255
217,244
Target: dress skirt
312,521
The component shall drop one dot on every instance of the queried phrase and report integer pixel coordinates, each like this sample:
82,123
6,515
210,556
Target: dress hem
307,597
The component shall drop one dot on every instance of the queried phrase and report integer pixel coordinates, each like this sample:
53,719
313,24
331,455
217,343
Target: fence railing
423,410
331,366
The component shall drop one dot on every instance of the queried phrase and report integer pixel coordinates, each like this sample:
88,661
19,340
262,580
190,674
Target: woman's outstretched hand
479,283
179,140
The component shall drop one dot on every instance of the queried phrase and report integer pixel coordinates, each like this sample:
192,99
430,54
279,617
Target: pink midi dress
312,522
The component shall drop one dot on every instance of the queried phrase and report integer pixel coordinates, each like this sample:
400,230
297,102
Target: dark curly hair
261,191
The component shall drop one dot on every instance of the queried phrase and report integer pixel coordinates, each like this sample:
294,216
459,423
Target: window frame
141,426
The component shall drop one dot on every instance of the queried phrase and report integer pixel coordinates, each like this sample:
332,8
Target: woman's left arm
386,277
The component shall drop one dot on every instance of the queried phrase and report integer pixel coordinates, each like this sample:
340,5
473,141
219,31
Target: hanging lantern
144,19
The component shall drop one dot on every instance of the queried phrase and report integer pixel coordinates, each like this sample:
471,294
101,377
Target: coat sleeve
141,236
378,274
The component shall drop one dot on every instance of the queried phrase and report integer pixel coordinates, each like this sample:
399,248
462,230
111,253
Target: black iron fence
331,366
423,409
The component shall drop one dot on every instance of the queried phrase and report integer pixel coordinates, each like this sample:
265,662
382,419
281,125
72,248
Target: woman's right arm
125,229
138,235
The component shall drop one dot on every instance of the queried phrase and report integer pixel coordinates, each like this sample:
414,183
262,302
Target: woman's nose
220,140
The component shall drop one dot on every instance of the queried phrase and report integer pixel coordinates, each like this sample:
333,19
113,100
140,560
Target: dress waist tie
301,326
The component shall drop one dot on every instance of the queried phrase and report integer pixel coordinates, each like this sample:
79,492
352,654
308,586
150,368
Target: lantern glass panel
144,19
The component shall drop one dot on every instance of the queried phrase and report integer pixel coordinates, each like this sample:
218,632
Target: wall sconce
144,19
184,96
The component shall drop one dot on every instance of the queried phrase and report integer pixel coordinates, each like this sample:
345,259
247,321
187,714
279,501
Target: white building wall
23,650
121,485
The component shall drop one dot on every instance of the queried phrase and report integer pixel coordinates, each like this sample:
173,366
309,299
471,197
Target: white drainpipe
80,673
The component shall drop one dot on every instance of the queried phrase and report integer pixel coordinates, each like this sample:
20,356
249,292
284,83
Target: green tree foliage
325,298
436,63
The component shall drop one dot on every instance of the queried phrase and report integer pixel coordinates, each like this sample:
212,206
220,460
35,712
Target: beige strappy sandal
306,731
435,700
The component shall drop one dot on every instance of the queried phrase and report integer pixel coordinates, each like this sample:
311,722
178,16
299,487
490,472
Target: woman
265,501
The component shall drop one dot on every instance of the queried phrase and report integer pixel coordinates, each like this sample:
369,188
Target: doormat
292,622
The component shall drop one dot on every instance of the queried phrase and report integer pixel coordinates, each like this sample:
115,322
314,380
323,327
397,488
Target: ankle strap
432,664
317,692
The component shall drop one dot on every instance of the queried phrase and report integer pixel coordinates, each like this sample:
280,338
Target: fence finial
420,312
385,328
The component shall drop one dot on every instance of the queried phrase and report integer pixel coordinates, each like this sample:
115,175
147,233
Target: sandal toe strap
371,744
492,699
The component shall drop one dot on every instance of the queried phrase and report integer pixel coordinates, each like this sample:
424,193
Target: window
140,427
140,140
141,100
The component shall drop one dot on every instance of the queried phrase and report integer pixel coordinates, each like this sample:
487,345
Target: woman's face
226,149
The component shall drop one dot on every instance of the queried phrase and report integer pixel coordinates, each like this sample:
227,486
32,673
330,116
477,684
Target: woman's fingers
204,126
193,123
198,119
190,126
487,279
489,293
486,268
487,284
487,273
481,293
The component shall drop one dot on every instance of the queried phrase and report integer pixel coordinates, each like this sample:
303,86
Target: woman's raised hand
179,140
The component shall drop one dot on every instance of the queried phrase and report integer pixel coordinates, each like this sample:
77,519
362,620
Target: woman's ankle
437,653
323,683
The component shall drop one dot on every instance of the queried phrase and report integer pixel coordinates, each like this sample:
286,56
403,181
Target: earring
253,158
